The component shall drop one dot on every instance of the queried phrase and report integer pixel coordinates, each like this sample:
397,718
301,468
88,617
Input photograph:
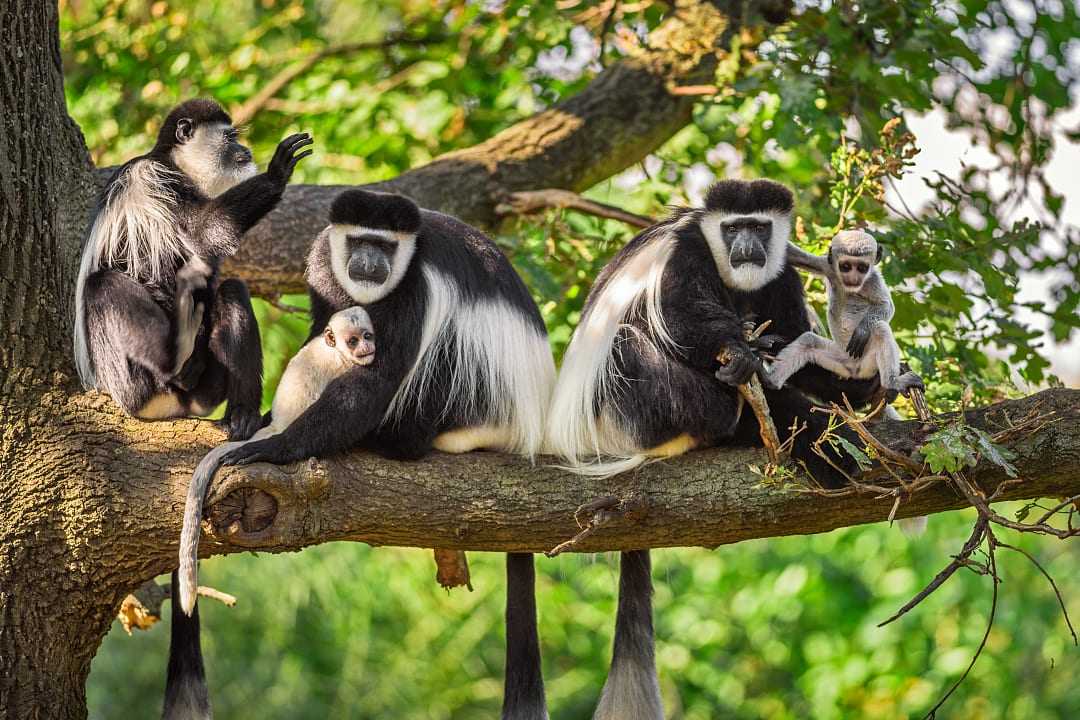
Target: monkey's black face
852,270
747,240
371,258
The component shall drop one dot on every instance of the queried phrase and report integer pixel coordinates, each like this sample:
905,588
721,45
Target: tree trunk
91,501
54,609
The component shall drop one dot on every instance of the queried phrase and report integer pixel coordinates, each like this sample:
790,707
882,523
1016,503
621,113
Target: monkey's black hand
245,454
909,381
286,157
241,423
857,344
738,365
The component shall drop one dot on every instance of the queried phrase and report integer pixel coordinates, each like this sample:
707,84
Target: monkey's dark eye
368,334
862,267
352,342
231,134
845,267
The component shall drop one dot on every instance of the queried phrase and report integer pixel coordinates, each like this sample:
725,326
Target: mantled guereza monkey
860,308
640,378
463,364
154,326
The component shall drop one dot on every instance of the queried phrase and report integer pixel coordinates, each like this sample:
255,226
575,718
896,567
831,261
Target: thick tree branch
628,111
494,502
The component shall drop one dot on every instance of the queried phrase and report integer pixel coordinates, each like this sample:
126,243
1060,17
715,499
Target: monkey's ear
328,335
880,252
185,130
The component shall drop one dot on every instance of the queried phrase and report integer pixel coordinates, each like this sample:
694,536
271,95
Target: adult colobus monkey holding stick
641,378
463,364
154,327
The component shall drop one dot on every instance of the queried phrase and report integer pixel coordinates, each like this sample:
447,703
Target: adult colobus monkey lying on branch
154,327
640,378
463,364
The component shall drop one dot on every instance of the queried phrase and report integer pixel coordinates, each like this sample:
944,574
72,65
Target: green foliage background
778,629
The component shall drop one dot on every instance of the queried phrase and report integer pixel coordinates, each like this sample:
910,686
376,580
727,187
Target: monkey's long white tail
189,535
606,468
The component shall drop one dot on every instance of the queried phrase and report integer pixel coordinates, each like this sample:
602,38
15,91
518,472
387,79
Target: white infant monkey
347,342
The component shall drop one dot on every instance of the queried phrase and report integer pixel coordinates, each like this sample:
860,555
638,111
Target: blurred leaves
774,629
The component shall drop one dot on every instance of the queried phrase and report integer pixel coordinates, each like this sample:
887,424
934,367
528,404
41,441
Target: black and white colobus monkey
463,364
640,378
154,327
860,308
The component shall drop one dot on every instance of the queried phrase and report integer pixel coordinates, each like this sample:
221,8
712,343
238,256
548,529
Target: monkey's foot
240,423
907,382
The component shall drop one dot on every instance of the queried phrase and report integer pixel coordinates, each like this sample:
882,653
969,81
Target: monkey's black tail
632,691
523,691
186,694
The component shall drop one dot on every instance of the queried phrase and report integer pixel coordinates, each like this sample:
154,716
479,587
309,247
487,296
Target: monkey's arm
351,407
817,264
880,311
219,223
702,324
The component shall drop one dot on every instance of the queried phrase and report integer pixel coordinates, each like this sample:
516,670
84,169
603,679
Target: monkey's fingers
298,158
857,344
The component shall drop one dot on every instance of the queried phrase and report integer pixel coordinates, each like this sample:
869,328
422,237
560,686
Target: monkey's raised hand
285,157
859,339
738,365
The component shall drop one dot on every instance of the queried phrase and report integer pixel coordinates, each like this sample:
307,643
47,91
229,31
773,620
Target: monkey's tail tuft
189,535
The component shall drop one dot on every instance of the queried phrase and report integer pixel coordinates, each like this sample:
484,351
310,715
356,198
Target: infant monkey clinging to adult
860,308
348,341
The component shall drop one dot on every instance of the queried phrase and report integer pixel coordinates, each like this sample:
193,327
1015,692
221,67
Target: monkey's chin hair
229,178
750,277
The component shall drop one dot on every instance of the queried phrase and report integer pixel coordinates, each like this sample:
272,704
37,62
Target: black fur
675,391
350,412
186,697
131,322
198,111
380,211
523,697
738,196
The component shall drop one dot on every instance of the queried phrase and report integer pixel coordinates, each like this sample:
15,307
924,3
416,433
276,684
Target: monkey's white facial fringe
747,277
504,368
135,232
365,293
604,446
203,160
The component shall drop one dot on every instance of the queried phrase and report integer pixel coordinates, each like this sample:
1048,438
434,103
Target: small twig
695,90
992,564
224,598
525,202
595,514
452,569
959,561
754,394
1049,579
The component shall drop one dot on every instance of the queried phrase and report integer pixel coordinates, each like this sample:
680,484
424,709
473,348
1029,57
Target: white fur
306,376
135,228
747,277
588,372
495,350
201,160
365,293
630,693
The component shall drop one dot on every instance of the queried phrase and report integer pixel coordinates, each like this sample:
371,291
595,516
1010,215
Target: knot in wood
244,511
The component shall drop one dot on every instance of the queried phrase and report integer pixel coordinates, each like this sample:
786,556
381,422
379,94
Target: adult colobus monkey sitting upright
640,378
153,326
463,364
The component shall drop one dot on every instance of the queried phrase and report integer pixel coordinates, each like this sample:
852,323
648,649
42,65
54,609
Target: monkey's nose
242,156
